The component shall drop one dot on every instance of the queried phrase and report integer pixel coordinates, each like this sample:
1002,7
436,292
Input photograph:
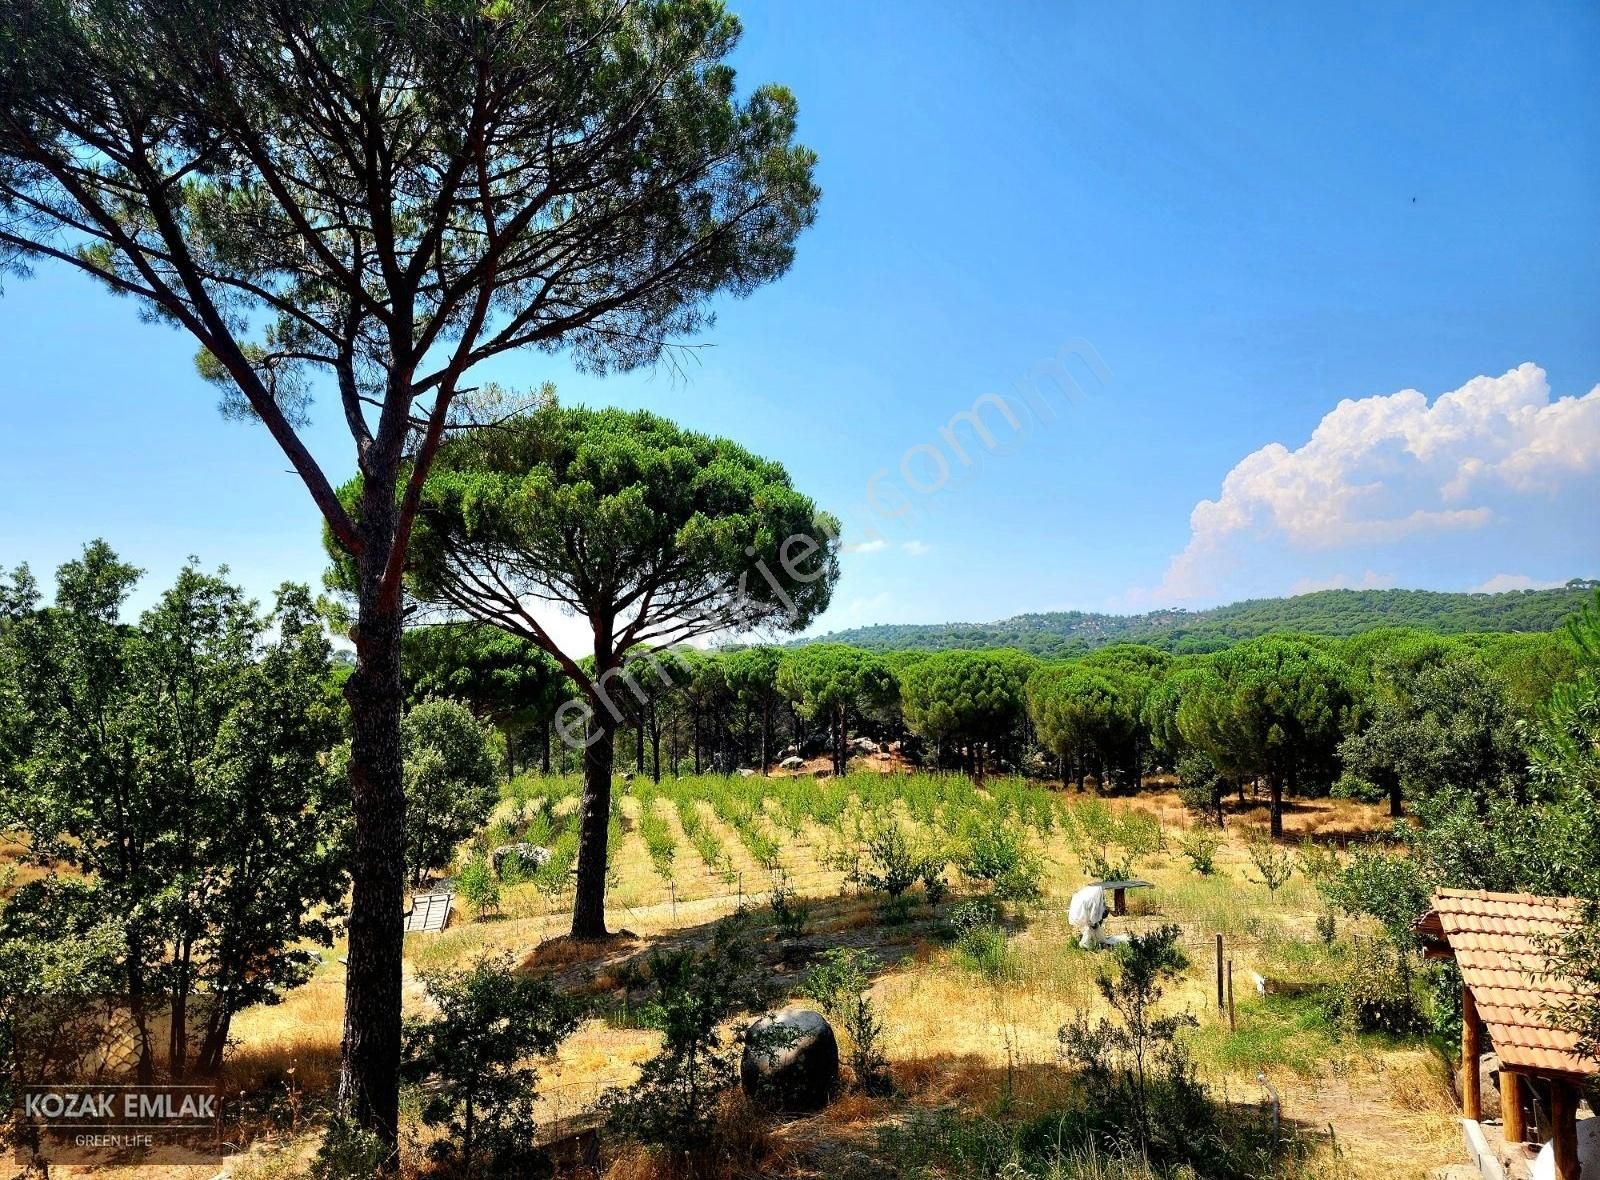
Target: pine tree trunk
1396,804
1277,807
369,1085
589,906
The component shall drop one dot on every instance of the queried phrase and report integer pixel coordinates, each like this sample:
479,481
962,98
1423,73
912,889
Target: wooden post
1119,901
1564,1129
1511,1108
1233,1023
1471,1034
1220,999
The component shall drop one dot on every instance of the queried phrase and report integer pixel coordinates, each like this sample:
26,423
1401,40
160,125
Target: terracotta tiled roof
1497,942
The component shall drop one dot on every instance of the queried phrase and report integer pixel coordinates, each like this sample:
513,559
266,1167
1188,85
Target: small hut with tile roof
1499,941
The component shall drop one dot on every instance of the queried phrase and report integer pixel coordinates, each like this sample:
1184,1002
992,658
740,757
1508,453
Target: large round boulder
791,1060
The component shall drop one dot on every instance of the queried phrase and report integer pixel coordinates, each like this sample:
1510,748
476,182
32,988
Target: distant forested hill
1326,612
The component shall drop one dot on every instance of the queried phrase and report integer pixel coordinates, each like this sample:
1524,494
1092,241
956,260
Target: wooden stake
1233,1023
1564,1129
1471,1031
1512,1119
1220,997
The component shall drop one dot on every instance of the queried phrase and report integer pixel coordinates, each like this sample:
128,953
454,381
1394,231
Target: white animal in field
1087,912
1544,1167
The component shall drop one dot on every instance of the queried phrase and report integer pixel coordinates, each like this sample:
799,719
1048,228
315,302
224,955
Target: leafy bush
449,781
348,1152
970,915
1109,844
672,1105
789,912
985,950
491,1021
477,885
998,855
1274,865
1200,846
890,864
838,985
1374,992
1118,1058
1382,885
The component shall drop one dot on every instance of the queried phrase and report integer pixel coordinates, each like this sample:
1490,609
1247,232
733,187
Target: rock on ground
791,1060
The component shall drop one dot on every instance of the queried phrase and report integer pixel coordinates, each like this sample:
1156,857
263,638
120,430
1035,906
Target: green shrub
473,1057
789,913
348,1152
998,855
477,885
838,985
673,1103
986,951
1375,990
1118,1058
889,863
1200,846
1274,865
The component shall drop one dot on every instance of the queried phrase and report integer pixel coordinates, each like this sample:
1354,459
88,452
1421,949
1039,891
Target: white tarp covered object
1544,1168
1087,912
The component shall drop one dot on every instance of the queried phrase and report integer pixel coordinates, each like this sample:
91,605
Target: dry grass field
974,1035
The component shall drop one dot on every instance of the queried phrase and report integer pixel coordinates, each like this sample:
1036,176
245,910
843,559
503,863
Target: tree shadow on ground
600,968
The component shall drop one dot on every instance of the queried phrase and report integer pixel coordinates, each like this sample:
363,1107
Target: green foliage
1383,884
1120,1058
1441,720
477,885
965,696
1200,786
892,861
1375,989
838,984
832,683
997,855
502,678
789,912
1272,708
1084,712
1110,843
672,1104
348,1152
473,1056
450,781
1324,612
1274,865
1200,846
180,766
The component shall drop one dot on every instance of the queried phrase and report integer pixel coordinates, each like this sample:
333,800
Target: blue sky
1244,218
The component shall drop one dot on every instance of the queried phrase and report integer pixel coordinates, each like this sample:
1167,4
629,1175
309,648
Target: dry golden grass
955,1036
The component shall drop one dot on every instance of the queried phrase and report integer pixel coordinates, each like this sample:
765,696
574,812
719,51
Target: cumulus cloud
915,548
1381,469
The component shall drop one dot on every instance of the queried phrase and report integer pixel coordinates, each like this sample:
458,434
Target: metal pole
1220,998
1233,1023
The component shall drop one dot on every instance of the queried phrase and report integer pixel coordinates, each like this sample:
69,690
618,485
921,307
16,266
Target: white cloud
1370,580
1380,469
877,544
915,548
1500,583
